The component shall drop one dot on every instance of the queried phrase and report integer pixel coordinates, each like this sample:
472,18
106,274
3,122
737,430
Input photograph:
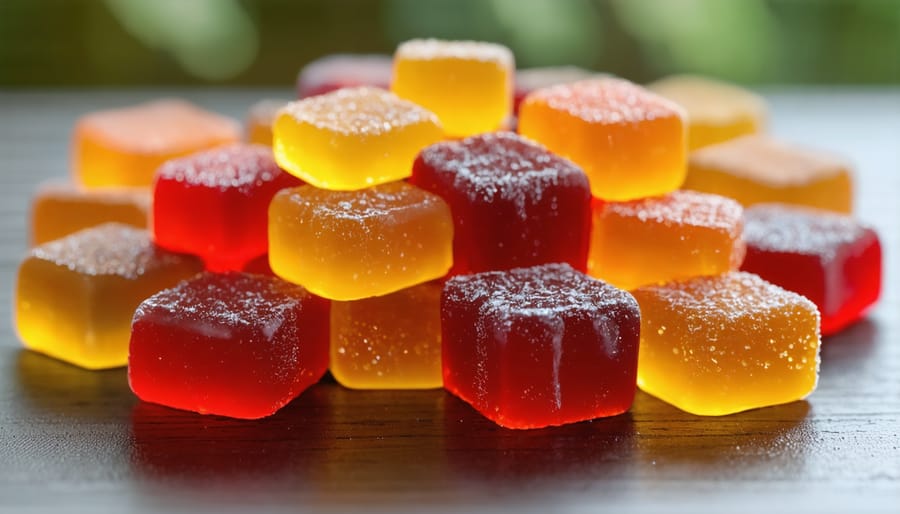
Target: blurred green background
265,42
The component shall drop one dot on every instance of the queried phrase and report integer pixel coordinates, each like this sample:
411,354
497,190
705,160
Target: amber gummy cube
75,296
717,111
760,169
629,141
123,147
352,138
347,245
679,235
728,343
468,84
389,342
61,208
260,118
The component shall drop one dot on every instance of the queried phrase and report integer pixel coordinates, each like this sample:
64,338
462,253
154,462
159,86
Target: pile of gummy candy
538,242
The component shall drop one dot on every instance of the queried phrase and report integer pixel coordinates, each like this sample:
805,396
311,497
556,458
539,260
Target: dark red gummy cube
344,70
232,344
827,257
514,203
215,204
540,346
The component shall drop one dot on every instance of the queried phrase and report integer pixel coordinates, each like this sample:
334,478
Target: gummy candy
467,84
260,118
723,344
352,138
679,235
717,111
759,169
829,258
215,204
332,72
61,208
232,344
530,79
388,342
124,147
514,203
540,346
629,141
347,245
75,296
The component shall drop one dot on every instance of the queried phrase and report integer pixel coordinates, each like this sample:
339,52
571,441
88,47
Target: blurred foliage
265,42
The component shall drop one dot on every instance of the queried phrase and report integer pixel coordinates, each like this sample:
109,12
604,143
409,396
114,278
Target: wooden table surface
78,441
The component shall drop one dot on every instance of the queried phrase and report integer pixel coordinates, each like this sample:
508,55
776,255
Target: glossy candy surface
629,141
541,346
514,203
723,344
759,169
231,344
678,235
829,258
75,296
337,71
215,204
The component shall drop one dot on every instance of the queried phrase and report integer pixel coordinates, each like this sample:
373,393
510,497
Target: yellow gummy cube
260,118
728,343
468,84
717,111
75,296
388,342
352,138
347,245
760,169
59,209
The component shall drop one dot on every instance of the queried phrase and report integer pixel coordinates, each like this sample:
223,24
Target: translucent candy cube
215,204
468,84
531,79
337,71
728,343
717,111
679,235
541,346
75,296
352,138
759,169
389,342
61,208
629,141
348,245
124,147
231,344
260,118
514,203
830,258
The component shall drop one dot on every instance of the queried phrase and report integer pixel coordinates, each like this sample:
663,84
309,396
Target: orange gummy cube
468,84
61,208
260,118
352,138
75,296
347,245
717,111
728,343
123,147
388,342
629,141
759,169
679,235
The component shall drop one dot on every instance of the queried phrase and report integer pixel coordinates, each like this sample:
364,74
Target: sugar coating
66,191
362,111
384,201
683,208
607,101
344,70
108,249
785,228
240,167
434,49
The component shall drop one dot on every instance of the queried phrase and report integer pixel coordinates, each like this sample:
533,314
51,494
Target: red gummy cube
540,346
338,71
233,344
215,204
827,257
514,204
